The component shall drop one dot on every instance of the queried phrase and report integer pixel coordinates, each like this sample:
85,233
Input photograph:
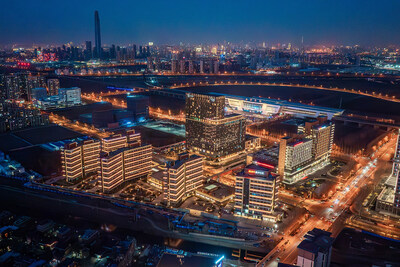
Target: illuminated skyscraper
53,85
208,131
97,34
174,66
88,50
299,158
295,159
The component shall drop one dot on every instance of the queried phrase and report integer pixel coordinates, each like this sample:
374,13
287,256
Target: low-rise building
216,193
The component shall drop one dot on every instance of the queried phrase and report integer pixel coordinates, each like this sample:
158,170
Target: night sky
324,22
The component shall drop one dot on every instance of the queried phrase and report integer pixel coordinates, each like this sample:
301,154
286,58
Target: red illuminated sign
265,165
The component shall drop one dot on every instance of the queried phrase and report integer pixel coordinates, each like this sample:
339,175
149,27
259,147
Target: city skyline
327,23
199,133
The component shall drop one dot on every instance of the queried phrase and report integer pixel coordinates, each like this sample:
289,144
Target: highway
335,89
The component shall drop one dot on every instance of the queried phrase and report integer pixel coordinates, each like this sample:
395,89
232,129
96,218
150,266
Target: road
335,89
332,214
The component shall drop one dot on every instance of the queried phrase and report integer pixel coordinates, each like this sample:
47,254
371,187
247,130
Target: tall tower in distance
97,34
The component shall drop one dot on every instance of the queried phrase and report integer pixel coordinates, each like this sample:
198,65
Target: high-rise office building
208,131
88,50
315,250
80,159
295,157
216,67
97,34
182,66
191,67
299,157
134,51
181,178
201,66
322,136
204,106
174,66
53,85
256,193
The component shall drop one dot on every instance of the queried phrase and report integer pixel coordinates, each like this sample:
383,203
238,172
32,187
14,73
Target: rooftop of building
206,94
251,137
118,151
299,142
137,96
159,175
316,240
280,103
78,140
217,190
267,174
69,88
180,162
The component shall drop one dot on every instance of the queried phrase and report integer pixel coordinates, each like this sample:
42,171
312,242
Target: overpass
386,124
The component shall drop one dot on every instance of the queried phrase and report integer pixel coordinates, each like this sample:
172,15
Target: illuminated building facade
34,82
16,85
118,141
301,157
15,117
388,200
268,107
53,85
97,36
294,159
256,192
80,159
124,164
322,136
66,97
208,131
70,96
182,178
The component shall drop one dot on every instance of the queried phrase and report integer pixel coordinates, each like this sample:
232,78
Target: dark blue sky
205,21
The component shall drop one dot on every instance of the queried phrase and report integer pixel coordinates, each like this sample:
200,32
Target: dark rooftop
316,240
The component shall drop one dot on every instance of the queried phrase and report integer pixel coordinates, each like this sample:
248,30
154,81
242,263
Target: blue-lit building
173,257
139,106
268,107
39,93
